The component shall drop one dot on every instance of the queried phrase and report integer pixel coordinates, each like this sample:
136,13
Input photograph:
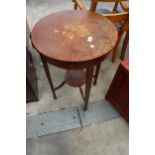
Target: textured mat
69,118
97,112
52,122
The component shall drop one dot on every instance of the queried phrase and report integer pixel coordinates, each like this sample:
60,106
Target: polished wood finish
66,39
122,21
74,40
118,92
75,78
115,17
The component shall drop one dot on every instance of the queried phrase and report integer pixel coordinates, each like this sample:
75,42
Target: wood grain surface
74,36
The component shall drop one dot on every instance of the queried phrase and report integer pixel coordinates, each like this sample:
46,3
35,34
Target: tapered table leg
48,76
96,73
89,76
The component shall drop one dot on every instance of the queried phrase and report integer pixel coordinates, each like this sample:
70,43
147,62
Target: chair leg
75,6
125,44
115,51
93,6
96,73
115,7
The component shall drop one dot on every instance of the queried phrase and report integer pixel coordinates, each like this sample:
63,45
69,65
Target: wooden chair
115,15
120,19
78,4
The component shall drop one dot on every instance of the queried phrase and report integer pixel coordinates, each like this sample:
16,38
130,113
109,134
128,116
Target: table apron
74,65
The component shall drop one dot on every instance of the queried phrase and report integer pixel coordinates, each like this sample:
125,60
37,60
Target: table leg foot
85,108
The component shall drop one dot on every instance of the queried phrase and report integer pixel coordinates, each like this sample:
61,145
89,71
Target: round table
76,41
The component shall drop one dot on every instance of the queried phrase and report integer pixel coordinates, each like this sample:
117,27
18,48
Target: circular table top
74,36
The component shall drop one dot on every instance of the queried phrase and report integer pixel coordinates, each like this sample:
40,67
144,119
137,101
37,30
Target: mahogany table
76,41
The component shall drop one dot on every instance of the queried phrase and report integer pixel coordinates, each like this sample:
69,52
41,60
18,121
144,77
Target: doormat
69,118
